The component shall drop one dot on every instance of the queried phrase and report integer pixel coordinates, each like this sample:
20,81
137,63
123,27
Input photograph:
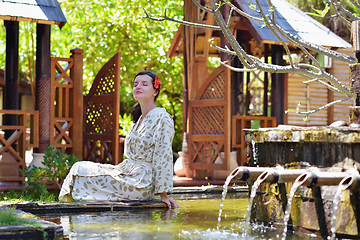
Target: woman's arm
168,200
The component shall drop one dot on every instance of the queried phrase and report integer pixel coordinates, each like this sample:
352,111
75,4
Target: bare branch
299,41
323,83
273,30
313,71
347,13
240,52
201,6
335,6
228,22
355,3
322,107
237,69
320,49
242,13
191,24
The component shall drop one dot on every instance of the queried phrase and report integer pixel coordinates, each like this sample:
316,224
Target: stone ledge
84,206
46,229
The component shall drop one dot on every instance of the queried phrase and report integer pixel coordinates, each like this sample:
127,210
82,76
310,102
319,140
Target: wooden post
266,81
355,73
189,50
76,74
43,84
354,116
11,96
277,86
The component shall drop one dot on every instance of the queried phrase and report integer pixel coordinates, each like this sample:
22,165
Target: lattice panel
106,85
63,71
207,152
215,89
62,130
99,117
98,151
208,120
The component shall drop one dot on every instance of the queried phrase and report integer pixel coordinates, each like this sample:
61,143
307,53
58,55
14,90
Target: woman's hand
168,200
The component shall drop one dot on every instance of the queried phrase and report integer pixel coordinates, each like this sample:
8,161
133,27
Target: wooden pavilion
218,103
58,91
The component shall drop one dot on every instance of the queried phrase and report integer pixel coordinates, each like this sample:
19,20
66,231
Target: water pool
196,219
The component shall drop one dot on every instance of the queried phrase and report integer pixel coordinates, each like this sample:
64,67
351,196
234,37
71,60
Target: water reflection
196,219
144,224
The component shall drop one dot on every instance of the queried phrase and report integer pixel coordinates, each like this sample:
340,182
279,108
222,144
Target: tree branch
322,107
191,24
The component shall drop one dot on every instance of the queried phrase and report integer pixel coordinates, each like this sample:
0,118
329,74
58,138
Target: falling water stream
254,188
297,183
223,196
344,184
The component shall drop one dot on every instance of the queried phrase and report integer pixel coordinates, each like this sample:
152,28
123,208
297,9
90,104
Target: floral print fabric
146,170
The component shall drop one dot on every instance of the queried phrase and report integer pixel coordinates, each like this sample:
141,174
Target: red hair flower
157,82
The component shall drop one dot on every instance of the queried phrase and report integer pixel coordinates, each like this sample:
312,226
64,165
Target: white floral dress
147,169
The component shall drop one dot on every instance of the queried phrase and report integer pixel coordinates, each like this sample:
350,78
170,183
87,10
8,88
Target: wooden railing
14,140
66,103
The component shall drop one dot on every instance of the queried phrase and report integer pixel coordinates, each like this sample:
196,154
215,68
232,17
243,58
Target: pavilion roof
294,21
40,11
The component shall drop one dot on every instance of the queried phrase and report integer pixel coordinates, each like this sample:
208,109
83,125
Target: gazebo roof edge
39,11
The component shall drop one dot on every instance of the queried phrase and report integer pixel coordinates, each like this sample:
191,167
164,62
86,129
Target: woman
148,166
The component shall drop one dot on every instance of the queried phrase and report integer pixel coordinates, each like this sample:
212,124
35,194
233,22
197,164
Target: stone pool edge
42,230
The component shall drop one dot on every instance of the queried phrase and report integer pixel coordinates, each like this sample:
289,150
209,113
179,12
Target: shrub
57,166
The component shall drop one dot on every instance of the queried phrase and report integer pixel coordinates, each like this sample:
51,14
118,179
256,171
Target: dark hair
136,110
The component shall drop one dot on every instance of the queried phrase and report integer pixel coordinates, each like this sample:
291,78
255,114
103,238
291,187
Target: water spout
316,177
346,183
300,180
261,178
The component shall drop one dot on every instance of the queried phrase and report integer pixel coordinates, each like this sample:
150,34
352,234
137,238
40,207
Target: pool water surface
196,219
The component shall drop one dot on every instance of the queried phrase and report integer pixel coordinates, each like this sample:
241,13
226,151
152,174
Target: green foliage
57,164
125,124
56,167
253,6
321,8
8,217
28,195
320,13
297,110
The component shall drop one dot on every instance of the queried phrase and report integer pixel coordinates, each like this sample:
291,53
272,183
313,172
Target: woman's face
143,89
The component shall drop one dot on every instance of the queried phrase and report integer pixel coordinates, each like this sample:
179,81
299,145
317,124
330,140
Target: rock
339,123
354,125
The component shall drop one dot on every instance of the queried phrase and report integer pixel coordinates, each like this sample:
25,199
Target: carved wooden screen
101,112
209,121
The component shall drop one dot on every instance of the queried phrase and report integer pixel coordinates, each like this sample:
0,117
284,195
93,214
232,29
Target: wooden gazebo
218,104
58,92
